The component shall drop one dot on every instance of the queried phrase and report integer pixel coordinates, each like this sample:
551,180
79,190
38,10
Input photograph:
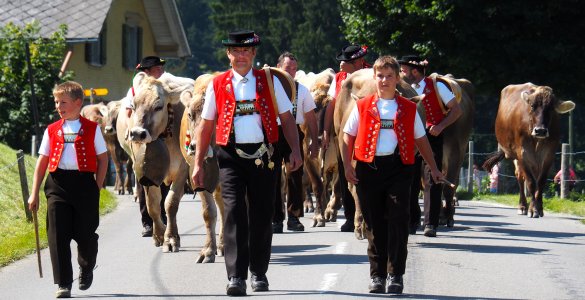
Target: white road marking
329,280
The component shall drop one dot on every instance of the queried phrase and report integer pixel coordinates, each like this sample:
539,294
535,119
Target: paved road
491,253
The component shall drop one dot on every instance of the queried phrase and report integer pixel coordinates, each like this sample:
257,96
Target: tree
16,118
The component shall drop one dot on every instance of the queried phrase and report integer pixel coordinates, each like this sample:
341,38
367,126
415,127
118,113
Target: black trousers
72,214
144,216
294,181
384,191
248,195
433,191
415,212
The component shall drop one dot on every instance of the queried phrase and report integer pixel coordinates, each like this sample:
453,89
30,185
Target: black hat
413,61
352,52
149,62
242,38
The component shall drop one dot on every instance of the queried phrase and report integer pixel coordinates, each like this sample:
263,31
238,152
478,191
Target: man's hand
435,130
350,174
33,203
198,177
295,161
438,177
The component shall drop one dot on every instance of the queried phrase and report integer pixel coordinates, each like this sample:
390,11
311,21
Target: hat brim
403,62
228,43
341,57
147,67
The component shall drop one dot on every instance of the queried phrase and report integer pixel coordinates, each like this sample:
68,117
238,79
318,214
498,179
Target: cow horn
565,106
524,95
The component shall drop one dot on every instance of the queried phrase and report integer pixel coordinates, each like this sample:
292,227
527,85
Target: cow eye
158,108
189,116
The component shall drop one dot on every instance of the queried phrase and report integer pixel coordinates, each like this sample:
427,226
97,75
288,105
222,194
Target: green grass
554,204
17,237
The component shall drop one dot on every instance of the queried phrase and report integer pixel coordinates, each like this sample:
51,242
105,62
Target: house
106,38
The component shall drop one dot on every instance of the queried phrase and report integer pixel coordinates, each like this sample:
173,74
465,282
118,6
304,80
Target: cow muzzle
140,135
540,132
109,129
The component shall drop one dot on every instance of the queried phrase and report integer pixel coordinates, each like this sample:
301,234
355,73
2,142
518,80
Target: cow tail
492,160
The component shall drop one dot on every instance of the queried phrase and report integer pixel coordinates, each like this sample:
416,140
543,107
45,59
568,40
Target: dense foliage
46,55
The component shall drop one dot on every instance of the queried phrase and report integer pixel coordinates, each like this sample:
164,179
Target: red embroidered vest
225,102
84,145
339,78
369,126
433,112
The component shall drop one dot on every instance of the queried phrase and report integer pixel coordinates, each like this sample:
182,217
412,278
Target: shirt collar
237,77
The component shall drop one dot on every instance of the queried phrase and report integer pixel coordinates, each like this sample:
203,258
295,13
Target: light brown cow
528,131
119,156
152,139
318,85
193,101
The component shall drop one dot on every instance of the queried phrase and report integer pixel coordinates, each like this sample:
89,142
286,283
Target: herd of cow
157,143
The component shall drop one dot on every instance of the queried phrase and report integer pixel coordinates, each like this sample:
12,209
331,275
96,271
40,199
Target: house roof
85,19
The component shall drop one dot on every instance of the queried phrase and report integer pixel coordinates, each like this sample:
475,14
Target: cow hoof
120,192
321,223
359,234
219,252
206,259
450,223
522,211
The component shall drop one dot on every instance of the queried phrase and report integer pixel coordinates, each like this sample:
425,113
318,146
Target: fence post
565,171
470,169
33,146
23,183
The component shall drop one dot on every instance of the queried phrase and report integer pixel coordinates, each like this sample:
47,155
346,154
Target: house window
95,52
131,46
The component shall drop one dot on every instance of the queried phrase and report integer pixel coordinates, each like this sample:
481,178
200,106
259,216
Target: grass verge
17,237
554,204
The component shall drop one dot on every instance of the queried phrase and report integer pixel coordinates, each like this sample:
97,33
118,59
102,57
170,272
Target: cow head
95,113
111,117
543,105
195,100
153,105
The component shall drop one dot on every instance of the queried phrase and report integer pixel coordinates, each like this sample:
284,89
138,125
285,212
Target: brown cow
152,139
118,155
193,101
528,131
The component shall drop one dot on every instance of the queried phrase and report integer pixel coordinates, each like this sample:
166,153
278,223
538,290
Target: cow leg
172,241
359,223
128,179
449,208
312,173
153,198
209,212
522,209
334,200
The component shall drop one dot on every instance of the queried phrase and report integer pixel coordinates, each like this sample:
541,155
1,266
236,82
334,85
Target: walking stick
36,223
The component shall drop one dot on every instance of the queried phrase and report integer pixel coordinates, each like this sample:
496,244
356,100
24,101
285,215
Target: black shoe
430,231
259,283
377,285
293,224
347,226
277,227
64,291
147,231
236,287
85,279
395,284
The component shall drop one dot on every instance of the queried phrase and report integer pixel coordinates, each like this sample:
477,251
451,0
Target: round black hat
352,52
242,38
149,62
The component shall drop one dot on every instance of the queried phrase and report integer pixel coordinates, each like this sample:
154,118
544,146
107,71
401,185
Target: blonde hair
387,61
69,88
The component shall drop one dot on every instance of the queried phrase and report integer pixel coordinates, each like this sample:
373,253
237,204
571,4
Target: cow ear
565,106
103,110
186,97
524,95
137,80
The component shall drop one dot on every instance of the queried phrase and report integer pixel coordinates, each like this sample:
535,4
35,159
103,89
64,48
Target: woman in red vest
381,134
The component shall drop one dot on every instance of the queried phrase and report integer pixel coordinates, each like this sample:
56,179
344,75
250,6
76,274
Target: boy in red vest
74,151
381,134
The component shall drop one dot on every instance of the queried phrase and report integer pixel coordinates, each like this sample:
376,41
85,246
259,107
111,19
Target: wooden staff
449,184
36,223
